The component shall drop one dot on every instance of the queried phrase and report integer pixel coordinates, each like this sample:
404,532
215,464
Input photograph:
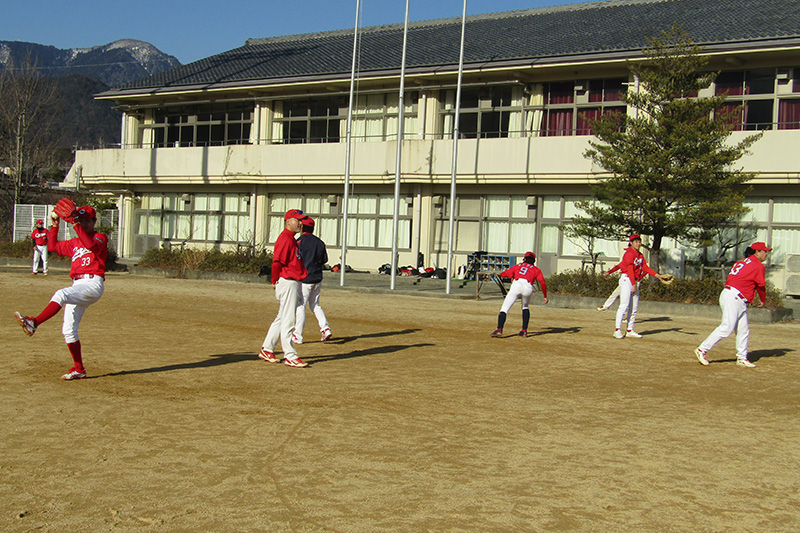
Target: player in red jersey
523,274
89,252
633,267
745,279
287,271
39,237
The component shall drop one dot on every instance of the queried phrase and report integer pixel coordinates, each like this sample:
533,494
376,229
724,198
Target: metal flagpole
343,264
455,152
400,111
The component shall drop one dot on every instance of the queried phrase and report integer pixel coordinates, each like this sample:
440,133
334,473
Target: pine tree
669,159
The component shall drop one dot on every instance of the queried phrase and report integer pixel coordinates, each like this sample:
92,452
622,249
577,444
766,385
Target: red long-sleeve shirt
634,265
748,276
89,251
286,261
528,272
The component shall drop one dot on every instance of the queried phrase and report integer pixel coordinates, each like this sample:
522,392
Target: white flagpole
347,149
455,152
401,109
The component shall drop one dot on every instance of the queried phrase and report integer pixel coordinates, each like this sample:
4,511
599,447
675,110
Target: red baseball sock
48,313
75,351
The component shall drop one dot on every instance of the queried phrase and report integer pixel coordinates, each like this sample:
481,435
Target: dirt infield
411,419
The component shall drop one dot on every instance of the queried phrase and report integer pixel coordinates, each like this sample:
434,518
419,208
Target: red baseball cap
86,212
294,213
530,254
634,237
40,222
760,246
308,221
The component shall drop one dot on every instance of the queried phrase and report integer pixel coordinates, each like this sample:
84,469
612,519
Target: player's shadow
344,340
215,360
378,350
655,319
551,330
648,332
757,354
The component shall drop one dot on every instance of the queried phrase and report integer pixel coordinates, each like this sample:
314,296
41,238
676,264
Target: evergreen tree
670,165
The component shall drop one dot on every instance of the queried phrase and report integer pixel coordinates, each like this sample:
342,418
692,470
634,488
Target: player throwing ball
89,252
523,274
633,267
746,278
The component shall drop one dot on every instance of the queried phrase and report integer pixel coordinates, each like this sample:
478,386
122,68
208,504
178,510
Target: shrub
690,291
21,249
211,260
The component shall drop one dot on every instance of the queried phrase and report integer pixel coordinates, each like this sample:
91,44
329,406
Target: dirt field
411,419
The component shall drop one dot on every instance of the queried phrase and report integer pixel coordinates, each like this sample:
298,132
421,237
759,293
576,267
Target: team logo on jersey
79,252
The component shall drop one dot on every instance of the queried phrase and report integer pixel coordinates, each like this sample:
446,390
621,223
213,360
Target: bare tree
26,146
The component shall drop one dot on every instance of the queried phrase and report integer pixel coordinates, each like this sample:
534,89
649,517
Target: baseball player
89,252
745,279
633,267
287,271
39,237
314,255
523,274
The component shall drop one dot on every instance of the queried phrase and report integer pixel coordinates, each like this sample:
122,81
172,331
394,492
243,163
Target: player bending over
523,274
89,252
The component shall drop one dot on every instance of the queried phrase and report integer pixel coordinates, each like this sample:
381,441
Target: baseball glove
66,209
500,284
667,279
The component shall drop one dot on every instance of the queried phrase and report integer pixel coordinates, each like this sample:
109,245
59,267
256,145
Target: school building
214,152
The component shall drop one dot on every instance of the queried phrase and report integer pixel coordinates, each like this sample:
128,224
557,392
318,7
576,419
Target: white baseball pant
309,295
520,288
612,298
40,251
734,318
627,298
74,300
287,292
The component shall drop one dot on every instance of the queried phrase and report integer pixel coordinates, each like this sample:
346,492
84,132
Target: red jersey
286,262
528,272
634,265
39,236
747,277
89,252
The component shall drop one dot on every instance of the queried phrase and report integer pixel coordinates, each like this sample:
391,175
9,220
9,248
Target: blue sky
192,30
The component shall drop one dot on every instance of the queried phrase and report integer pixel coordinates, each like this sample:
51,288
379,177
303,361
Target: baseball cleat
701,356
27,323
619,335
523,333
296,339
497,332
295,362
268,356
74,374
326,334
633,334
745,362
601,308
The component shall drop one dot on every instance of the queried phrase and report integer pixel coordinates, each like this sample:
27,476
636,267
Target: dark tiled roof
535,34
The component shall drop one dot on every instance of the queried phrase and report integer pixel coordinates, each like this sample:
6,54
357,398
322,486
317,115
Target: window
199,125
313,120
557,211
213,218
486,112
500,224
568,107
750,98
375,116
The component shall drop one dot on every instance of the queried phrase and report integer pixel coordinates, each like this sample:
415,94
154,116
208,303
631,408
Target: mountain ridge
115,64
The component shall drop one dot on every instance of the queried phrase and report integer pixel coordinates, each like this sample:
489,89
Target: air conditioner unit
791,285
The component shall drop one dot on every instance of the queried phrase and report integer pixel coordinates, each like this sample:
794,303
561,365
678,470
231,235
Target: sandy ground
411,419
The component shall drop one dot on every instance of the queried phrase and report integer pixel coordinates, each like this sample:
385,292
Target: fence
26,215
